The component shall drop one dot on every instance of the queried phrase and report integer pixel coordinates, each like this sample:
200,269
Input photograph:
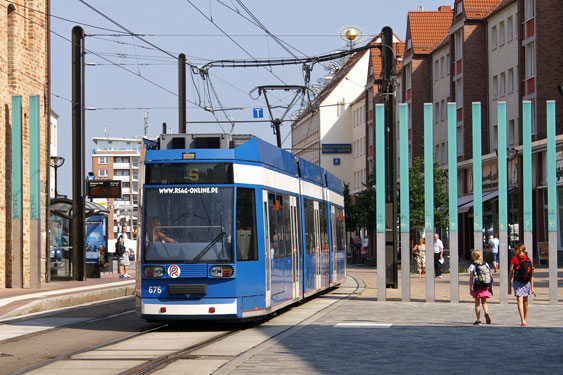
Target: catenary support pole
404,181
502,201
552,202
429,199
380,200
477,179
78,260
181,93
452,194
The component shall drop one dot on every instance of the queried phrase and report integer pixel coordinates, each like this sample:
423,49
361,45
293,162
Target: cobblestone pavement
363,336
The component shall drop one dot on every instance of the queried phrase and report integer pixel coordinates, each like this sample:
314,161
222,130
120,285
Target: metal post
380,201
388,92
502,201
552,202
17,197
429,199
452,192
181,93
477,180
527,175
35,191
405,225
78,219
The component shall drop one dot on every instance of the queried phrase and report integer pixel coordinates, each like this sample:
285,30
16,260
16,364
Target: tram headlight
221,271
153,271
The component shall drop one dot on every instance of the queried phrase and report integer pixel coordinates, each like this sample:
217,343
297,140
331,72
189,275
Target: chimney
445,8
420,8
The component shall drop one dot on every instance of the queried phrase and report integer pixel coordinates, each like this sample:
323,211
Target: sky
126,76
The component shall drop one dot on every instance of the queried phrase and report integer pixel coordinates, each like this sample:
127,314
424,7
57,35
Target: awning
465,203
63,207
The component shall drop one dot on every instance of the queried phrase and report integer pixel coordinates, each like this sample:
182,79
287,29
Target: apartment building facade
24,149
118,159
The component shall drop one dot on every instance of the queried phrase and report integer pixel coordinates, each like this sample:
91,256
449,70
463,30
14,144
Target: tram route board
103,188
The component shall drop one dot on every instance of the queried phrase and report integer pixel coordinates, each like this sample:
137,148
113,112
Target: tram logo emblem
174,271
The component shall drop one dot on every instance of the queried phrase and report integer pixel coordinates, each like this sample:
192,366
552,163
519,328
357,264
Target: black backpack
524,270
119,248
482,276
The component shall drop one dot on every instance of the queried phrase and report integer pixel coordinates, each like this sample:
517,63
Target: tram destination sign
337,148
103,188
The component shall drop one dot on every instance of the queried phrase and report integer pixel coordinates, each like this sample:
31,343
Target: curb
70,300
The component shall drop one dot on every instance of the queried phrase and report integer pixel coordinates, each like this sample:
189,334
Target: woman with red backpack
522,275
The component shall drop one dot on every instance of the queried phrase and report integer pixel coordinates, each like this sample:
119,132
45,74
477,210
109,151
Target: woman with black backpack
522,275
480,282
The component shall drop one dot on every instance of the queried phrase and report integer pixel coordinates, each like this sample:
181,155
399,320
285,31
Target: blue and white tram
234,233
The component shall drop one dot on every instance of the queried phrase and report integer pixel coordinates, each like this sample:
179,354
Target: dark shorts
495,257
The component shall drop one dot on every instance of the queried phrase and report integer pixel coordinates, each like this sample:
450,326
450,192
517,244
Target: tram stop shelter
95,247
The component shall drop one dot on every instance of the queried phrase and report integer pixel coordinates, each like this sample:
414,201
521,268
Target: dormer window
459,8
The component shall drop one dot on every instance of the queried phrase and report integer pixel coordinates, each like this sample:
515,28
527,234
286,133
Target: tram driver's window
247,248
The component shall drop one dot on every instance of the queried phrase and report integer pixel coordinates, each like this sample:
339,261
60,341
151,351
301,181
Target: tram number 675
155,289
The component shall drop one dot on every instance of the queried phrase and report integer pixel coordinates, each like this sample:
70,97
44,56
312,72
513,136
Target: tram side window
309,226
340,228
287,225
273,208
247,247
324,226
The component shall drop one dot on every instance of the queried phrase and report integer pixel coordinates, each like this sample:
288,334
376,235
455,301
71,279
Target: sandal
488,318
477,323
523,324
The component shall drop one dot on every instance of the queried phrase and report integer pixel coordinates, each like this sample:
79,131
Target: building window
448,63
530,60
510,80
494,141
501,33
458,40
459,93
459,136
408,76
125,185
509,29
495,87
103,173
436,70
103,160
436,112
442,67
122,159
135,161
443,156
511,133
122,172
443,110
530,9
459,8
494,37
502,84
409,44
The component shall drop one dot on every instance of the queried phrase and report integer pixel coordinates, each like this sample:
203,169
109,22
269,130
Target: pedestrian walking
493,247
522,275
123,257
438,255
480,281
419,253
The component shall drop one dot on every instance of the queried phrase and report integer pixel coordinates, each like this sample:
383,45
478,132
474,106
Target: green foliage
416,195
350,212
366,205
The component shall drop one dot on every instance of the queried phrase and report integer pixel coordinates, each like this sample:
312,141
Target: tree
350,213
366,205
416,196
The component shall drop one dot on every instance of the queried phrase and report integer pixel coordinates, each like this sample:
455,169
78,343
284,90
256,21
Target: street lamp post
56,163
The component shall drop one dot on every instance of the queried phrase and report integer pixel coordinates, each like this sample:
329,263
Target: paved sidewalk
362,336
59,294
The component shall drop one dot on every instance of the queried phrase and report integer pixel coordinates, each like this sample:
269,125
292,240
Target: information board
337,148
103,188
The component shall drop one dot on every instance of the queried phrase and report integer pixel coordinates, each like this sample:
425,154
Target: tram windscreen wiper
209,246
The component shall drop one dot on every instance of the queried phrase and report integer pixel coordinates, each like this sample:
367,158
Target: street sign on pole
258,113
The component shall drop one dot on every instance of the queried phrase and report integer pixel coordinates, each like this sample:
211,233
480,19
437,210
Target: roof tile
428,29
479,8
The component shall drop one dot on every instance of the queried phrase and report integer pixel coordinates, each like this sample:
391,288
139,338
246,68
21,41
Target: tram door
267,256
333,237
295,258
317,246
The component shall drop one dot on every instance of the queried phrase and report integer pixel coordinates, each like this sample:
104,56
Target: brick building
24,160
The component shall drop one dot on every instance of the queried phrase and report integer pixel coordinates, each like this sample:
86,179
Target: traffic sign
258,112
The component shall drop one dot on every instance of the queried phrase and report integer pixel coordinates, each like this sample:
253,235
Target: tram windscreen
188,225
